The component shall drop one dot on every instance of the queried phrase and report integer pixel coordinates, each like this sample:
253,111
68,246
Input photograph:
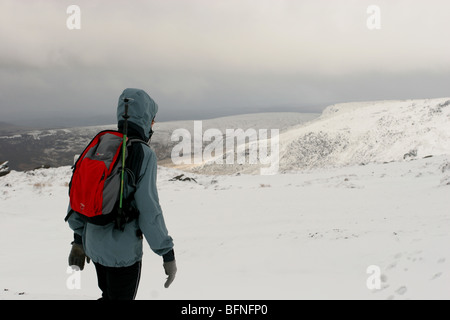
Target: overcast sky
204,58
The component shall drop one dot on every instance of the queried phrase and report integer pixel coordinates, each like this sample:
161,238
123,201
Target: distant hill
359,133
9,128
26,149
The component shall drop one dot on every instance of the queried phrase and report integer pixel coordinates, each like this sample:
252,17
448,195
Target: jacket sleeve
77,225
151,220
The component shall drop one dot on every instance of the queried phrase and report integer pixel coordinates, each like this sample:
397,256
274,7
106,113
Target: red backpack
95,185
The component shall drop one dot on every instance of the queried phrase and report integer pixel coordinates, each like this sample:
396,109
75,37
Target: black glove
170,269
77,256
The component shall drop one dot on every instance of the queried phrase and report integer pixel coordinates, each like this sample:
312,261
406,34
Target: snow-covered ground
310,235
361,200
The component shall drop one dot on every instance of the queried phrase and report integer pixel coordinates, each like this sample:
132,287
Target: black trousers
118,283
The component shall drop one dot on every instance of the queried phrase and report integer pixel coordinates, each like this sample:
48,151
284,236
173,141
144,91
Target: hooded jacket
115,248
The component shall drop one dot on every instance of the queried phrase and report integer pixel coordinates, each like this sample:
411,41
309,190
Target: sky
202,59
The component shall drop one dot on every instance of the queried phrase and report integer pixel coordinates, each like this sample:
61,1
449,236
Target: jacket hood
141,111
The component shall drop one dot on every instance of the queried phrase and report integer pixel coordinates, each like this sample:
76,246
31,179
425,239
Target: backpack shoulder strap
136,156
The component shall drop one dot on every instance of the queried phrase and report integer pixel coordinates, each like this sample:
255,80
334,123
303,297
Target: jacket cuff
169,256
77,239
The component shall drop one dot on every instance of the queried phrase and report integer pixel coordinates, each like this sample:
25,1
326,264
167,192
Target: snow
301,234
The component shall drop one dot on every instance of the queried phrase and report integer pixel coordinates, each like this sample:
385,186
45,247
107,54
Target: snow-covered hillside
355,133
359,133
310,235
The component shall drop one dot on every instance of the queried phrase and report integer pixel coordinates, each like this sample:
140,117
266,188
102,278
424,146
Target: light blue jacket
115,248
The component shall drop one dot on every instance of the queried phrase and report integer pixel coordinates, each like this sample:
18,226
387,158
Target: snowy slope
360,133
163,145
309,235
384,131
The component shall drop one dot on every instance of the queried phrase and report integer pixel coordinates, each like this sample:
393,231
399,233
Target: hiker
117,254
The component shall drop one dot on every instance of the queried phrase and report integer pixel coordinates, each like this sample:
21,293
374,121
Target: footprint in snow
391,266
437,275
401,291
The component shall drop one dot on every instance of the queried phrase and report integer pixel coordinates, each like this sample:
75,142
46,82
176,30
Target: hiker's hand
77,256
170,269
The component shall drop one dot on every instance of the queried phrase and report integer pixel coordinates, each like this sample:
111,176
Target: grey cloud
199,59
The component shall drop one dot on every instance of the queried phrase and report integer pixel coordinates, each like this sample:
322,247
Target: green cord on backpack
124,148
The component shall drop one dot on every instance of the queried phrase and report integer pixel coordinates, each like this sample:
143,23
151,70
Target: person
116,254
